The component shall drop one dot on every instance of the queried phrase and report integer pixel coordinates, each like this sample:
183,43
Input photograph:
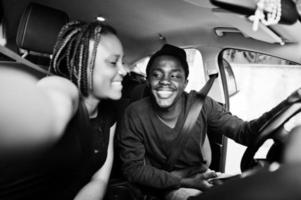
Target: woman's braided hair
72,58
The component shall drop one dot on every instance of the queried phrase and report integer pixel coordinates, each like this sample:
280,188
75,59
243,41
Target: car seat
37,32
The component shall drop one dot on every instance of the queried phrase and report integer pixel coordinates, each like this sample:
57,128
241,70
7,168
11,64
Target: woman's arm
96,188
63,99
34,113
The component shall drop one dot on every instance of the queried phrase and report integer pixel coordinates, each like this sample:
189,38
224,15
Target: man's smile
164,94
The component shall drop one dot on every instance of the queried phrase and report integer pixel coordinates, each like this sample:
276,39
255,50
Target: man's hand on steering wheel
295,96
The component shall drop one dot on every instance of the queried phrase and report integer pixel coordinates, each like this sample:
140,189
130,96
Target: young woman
74,128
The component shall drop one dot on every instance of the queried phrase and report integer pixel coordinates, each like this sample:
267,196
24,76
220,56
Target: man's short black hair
170,50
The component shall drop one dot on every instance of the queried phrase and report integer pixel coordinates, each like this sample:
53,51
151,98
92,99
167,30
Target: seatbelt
190,121
197,105
11,54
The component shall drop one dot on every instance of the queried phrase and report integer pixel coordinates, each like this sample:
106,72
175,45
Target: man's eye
176,76
156,75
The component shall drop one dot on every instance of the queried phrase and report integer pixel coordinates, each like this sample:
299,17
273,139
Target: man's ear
186,83
147,83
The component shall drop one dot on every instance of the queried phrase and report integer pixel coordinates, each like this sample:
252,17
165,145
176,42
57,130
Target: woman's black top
64,169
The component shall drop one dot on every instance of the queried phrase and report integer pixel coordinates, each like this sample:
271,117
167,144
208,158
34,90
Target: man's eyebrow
177,70
157,69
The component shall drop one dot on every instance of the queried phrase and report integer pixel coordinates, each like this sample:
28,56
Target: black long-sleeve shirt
145,141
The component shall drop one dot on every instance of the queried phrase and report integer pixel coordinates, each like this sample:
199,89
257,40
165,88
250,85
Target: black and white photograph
150,99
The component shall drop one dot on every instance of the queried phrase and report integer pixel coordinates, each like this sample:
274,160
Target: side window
262,82
3,38
196,78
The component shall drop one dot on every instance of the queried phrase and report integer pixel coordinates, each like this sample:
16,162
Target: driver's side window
262,82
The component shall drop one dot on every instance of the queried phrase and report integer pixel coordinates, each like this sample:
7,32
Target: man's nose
165,80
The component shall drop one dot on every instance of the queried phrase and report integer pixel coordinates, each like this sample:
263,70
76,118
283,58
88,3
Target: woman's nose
123,69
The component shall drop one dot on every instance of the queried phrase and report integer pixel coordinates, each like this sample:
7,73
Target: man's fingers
210,174
206,185
295,96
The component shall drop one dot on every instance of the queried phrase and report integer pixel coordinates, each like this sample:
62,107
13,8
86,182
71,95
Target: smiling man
151,127
168,79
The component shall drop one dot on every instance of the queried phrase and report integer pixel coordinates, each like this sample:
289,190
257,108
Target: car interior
257,58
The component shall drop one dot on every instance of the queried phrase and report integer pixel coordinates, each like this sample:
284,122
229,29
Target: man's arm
243,132
96,188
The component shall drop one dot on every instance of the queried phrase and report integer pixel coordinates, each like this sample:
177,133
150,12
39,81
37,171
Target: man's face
167,81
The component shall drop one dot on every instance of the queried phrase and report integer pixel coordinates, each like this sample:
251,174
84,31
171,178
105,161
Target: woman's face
109,69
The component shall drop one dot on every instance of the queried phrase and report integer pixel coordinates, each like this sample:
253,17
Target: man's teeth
164,93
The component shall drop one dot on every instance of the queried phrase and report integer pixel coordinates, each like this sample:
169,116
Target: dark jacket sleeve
243,132
132,154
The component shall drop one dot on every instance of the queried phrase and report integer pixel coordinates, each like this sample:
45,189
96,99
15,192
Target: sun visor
278,33
289,14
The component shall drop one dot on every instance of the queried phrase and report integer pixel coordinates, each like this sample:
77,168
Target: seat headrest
39,27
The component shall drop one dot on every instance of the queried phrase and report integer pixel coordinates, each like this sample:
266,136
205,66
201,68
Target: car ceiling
139,22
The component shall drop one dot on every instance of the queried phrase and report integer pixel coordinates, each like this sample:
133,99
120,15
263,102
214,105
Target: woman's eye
113,63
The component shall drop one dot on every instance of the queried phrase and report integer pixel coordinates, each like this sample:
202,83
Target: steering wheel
273,129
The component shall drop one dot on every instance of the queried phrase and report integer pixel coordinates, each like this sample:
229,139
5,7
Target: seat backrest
38,28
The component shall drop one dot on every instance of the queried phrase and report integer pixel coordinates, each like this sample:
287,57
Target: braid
62,34
84,78
64,31
69,60
59,49
80,65
90,68
75,57
72,57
